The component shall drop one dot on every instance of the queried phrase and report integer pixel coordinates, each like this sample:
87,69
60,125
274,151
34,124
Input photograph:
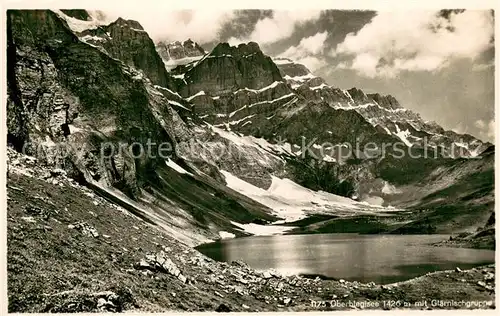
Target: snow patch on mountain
168,91
293,202
226,235
403,135
195,95
93,38
328,158
178,104
390,189
286,96
290,210
271,86
259,143
77,25
263,230
169,162
321,86
172,63
241,120
297,81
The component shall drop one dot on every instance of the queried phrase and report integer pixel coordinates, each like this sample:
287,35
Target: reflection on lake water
365,258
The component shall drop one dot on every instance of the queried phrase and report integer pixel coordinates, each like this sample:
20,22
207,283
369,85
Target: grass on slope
53,268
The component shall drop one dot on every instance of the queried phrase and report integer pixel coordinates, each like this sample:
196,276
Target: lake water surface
379,258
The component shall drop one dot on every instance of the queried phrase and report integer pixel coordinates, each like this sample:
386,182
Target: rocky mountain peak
358,95
127,23
189,43
127,41
297,75
386,101
249,48
221,48
179,50
290,68
243,49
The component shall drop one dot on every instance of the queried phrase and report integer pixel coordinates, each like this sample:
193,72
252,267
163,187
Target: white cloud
486,129
309,45
280,26
312,63
309,51
416,41
233,41
163,24
367,62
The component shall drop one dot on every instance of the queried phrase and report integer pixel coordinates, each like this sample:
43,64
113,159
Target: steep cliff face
132,45
289,68
228,68
126,41
236,88
63,91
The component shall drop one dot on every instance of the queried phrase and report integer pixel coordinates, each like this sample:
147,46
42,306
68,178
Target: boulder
85,228
161,262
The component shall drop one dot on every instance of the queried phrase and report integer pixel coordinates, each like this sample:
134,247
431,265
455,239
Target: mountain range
239,122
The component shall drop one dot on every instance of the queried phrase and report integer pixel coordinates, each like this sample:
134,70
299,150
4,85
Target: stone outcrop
386,101
160,261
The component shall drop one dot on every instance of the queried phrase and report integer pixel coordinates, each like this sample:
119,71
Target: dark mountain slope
77,108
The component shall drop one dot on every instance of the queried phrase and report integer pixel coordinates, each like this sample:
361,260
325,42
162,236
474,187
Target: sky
439,64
